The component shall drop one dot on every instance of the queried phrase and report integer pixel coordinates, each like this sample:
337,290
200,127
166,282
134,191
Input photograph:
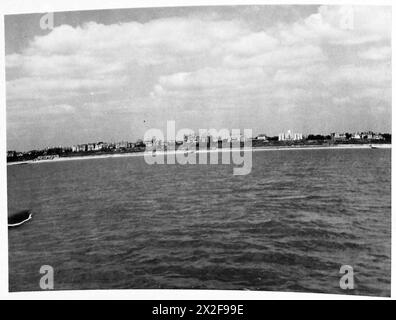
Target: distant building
335,136
285,136
83,148
297,136
11,154
367,135
262,137
378,136
111,145
121,145
149,142
289,136
98,146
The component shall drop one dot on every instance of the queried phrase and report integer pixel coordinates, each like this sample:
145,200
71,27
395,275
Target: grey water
119,223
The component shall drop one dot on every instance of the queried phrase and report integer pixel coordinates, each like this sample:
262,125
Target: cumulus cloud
381,53
210,61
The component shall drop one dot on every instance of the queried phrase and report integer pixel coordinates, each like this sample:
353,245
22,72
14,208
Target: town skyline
110,75
282,136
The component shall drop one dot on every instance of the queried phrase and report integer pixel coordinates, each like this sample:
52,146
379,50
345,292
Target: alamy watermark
47,280
347,18
185,147
347,280
47,21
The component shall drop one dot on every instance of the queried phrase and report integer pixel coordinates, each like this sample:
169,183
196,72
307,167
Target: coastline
271,148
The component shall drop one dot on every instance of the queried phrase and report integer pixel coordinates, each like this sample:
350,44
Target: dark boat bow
19,218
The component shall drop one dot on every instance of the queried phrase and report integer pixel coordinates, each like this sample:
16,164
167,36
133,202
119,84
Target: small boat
373,147
19,218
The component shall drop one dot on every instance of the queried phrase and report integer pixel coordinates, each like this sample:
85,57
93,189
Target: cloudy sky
113,74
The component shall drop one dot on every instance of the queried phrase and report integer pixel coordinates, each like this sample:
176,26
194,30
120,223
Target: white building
298,136
289,136
262,137
98,146
338,136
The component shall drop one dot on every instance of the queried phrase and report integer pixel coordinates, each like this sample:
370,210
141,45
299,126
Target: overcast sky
113,74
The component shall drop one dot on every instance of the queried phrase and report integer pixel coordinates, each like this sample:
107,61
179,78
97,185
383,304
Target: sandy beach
141,154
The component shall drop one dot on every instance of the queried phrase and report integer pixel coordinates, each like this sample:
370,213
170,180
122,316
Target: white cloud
374,53
280,57
252,44
179,61
368,76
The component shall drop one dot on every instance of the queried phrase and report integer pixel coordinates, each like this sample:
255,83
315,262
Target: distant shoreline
253,149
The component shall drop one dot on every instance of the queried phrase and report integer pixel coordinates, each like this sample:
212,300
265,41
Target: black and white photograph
200,147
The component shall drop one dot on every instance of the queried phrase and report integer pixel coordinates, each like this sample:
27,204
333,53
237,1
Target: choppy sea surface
287,226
